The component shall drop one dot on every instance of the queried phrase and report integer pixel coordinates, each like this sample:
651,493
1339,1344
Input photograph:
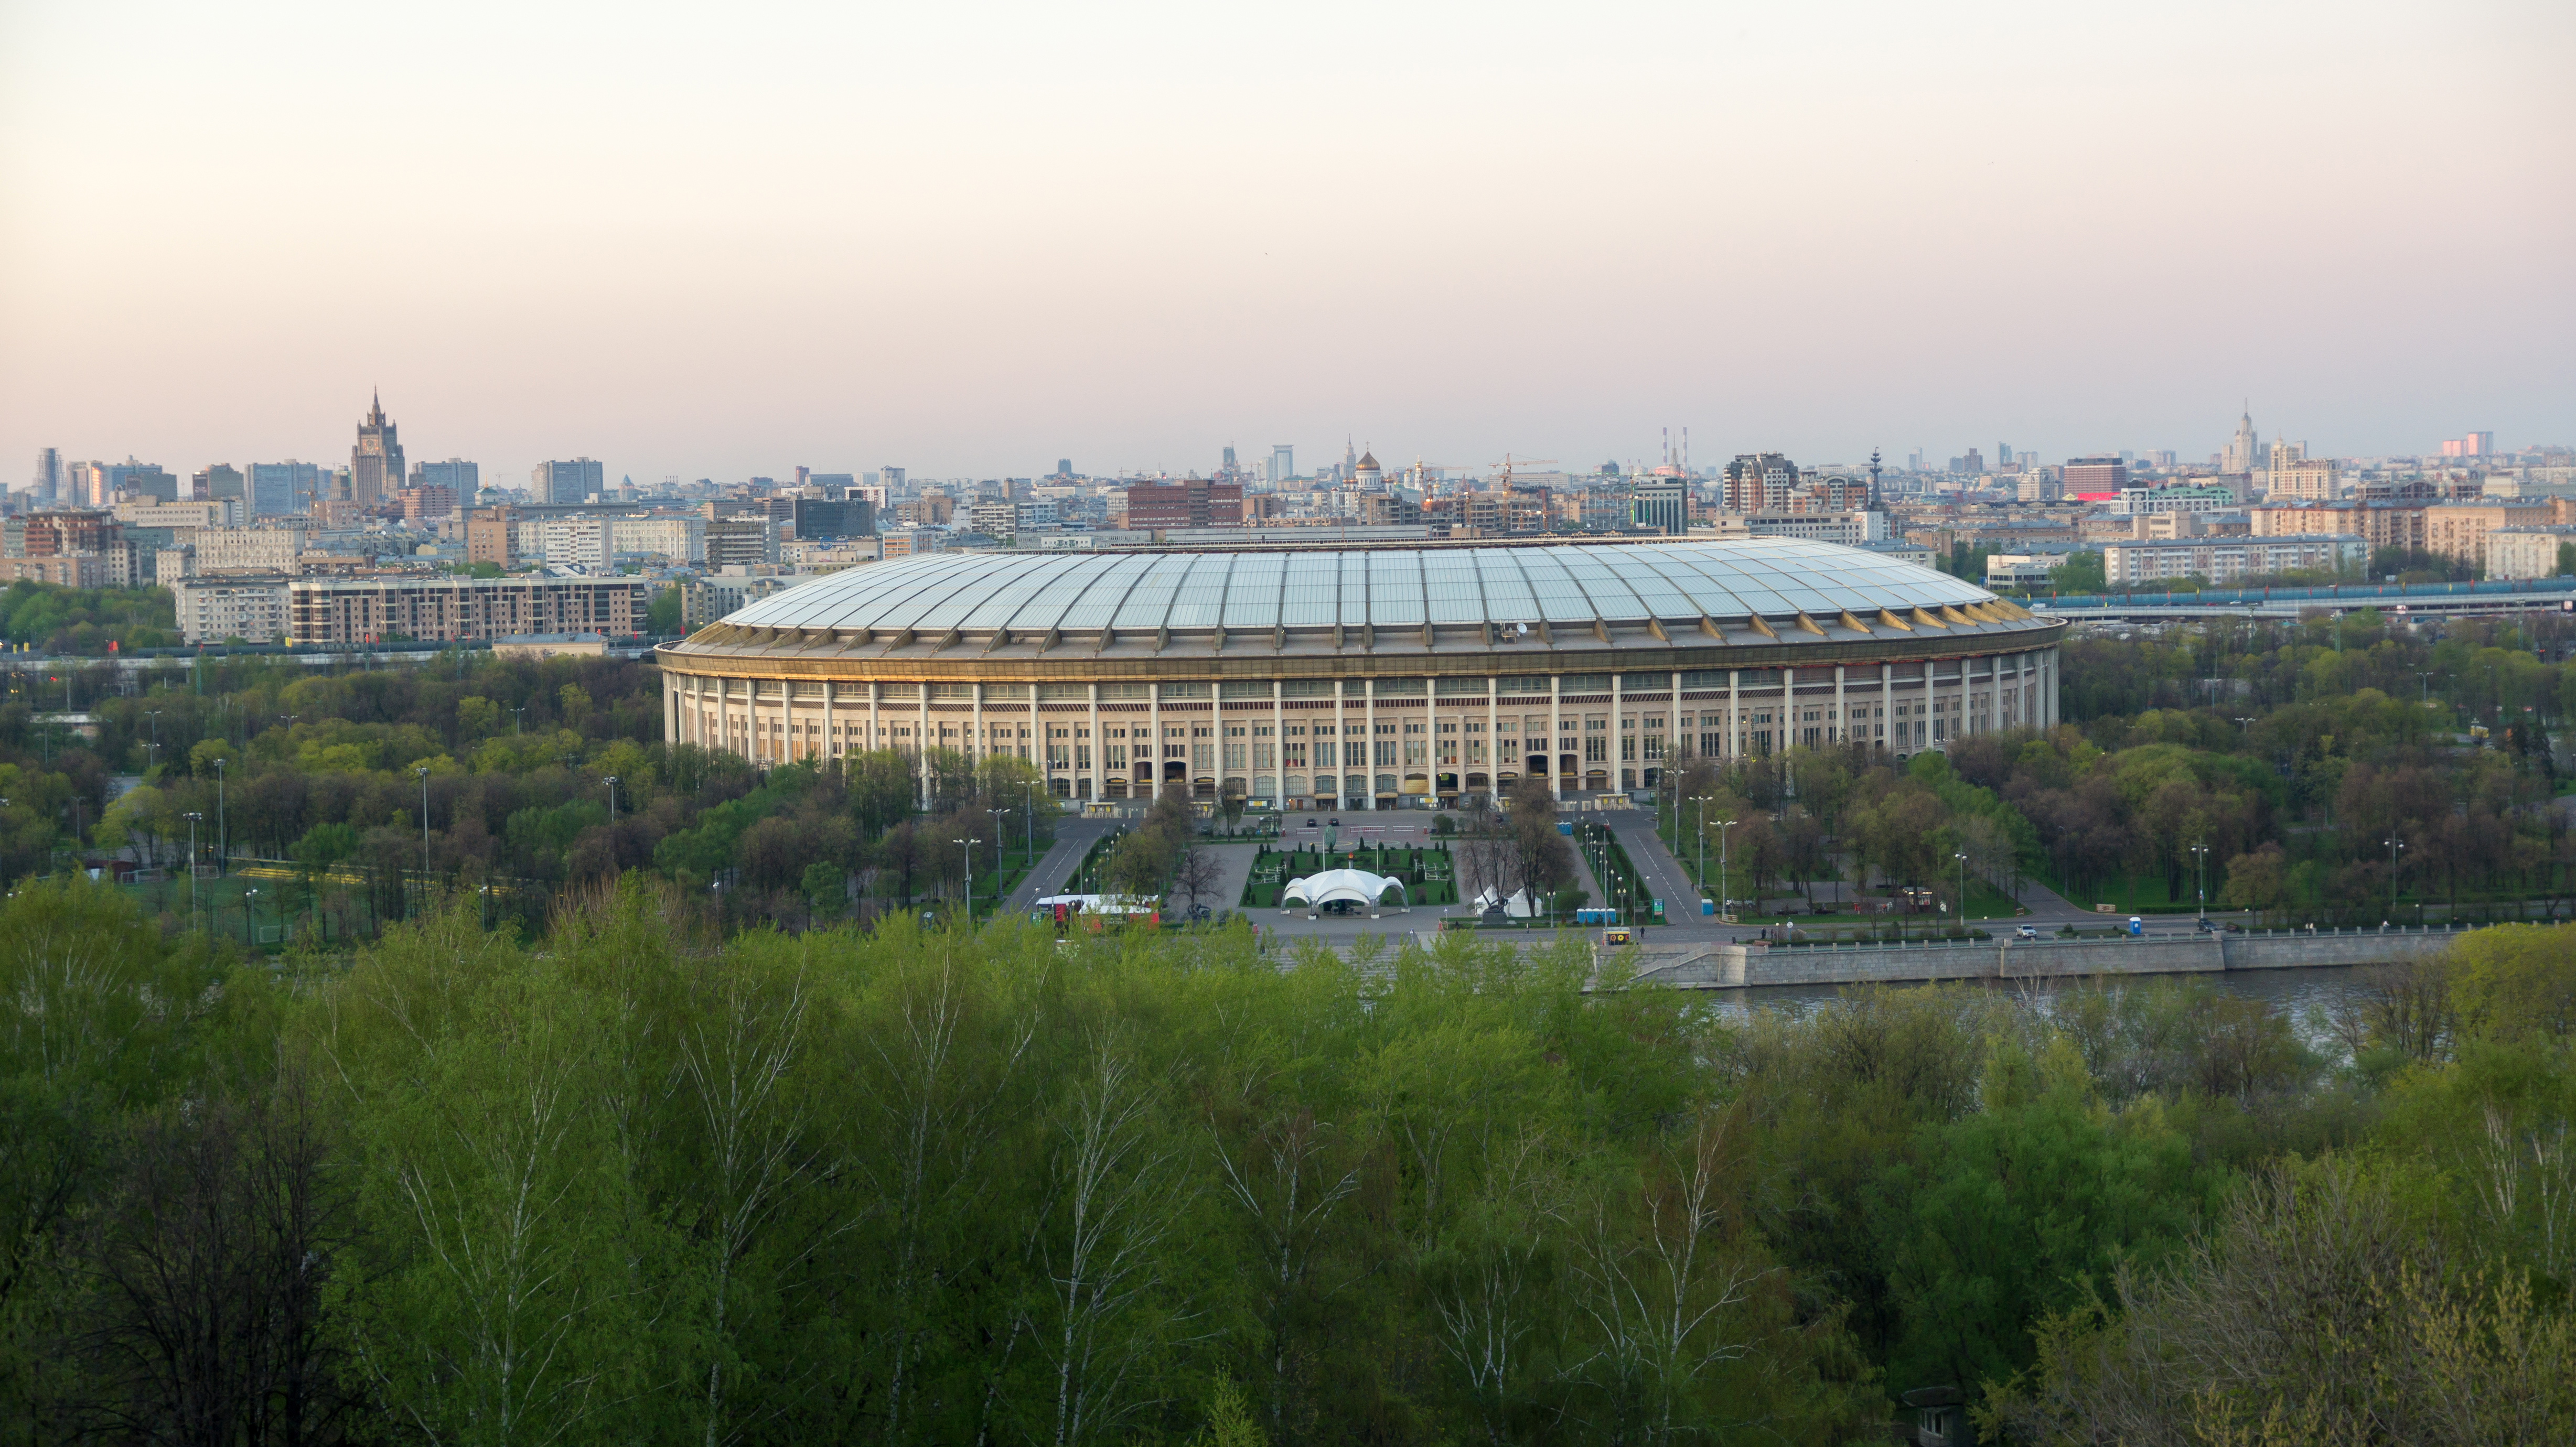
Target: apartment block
2223,560
448,609
212,609
2518,553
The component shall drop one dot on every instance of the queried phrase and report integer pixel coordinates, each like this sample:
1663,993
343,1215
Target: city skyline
976,239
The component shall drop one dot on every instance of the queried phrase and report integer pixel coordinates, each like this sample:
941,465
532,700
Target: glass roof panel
1507,593
1559,600
1099,602
1252,593
1312,595
1018,587
1395,589
1200,603
1063,588
1149,603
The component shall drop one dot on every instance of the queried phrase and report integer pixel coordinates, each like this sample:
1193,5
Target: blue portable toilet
2137,926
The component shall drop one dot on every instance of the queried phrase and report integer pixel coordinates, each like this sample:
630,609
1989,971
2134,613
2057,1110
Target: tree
1196,872
662,615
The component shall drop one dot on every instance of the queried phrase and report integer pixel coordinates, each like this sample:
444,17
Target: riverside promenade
1741,966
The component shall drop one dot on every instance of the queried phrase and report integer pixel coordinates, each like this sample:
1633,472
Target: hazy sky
718,240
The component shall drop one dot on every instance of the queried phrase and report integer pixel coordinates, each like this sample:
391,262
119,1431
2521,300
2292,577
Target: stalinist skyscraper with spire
376,463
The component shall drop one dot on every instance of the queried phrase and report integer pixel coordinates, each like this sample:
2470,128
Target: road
1671,882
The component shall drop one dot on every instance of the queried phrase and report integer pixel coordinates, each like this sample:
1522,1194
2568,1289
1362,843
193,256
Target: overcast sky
719,240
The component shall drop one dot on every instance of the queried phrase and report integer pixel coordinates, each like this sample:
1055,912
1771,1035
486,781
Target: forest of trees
2292,754
283,761
637,1180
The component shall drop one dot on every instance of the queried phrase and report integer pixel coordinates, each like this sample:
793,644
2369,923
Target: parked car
2027,932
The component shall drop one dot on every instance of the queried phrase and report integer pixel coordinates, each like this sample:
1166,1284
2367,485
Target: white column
1368,708
1341,743
1672,726
1734,746
831,740
1886,704
671,710
1154,717
977,746
1994,693
1556,735
874,741
1842,719
1099,746
1618,741
921,739
1931,667
1493,743
1278,746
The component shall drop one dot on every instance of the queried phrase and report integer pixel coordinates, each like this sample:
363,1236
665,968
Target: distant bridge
2407,599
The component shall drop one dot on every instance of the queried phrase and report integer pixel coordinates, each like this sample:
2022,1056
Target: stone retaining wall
1725,967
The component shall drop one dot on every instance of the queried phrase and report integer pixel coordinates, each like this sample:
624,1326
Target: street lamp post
1963,888
1702,800
2202,850
2394,845
423,771
192,864
969,846
611,782
999,818
223,836
250,918
1724,904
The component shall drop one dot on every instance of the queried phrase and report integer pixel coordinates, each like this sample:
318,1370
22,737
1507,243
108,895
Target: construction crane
1509,462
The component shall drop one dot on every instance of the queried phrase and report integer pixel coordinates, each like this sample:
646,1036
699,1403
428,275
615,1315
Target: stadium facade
1364,678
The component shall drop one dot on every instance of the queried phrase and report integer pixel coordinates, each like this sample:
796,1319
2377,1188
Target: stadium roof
1574,585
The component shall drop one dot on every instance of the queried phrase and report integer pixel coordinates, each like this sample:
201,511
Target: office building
2094,477
741,541
565,483
1283,462
427,504
2474,444
376,462
847,517
47,486
1661,504
219,482
994,519
457,475
452,610
1845,529
1359,678
278,489
1188,504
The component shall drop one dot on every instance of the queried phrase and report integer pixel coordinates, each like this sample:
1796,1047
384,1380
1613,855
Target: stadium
1364,678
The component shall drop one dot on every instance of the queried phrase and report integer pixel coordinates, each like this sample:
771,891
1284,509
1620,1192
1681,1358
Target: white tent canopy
1519,904
1356,886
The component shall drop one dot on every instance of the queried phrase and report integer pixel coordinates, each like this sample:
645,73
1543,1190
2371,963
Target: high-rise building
133,481
1663,505
2471,444
457,475
1229,459
1064,467
376,462
2244,450
1758,482
891,479
563,483
281,489
2094,476
48,482
215,482
1283,462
